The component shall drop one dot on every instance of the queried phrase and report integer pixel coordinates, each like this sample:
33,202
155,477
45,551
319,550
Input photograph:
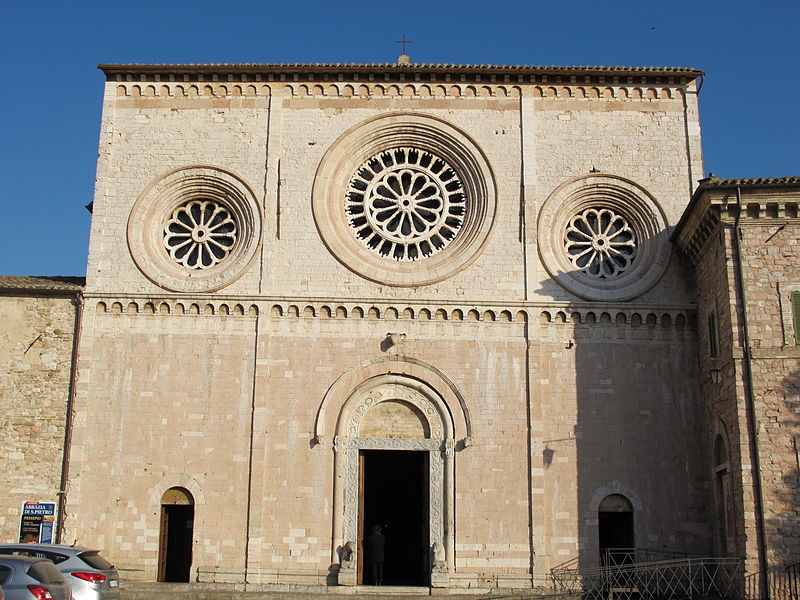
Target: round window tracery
405,204
603,237
199,234
404,199
195,229
600,242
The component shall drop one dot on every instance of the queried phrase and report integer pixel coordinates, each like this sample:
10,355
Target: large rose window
405,204
404,199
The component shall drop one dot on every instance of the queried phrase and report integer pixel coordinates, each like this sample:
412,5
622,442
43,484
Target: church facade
468,304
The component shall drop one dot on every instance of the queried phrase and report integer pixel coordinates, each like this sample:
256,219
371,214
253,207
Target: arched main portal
394,450
176,536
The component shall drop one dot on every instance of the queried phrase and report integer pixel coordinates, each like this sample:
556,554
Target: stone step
209,591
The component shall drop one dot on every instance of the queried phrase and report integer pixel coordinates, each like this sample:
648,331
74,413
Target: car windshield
94,560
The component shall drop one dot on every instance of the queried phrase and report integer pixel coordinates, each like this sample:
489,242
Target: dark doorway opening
395,496
177,525
615,524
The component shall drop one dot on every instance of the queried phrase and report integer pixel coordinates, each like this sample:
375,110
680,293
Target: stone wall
36,339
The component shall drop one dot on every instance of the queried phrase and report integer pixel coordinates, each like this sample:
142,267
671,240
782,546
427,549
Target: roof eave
321,68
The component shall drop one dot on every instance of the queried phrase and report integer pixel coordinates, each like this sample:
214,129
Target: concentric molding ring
404,130
156,204
623,197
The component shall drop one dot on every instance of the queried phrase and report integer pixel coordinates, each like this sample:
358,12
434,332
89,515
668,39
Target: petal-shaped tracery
405,204
600,242
199,234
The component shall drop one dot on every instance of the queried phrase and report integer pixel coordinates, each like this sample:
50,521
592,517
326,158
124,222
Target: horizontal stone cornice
763,201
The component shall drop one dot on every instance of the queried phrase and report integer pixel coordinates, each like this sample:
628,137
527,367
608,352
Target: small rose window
199,234
600,242
603,237
195,229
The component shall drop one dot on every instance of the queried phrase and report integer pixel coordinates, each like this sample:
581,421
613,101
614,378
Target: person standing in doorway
374,545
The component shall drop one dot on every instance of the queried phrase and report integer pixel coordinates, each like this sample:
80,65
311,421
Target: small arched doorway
615,530
175,542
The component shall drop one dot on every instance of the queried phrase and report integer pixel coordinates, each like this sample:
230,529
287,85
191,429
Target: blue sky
51,89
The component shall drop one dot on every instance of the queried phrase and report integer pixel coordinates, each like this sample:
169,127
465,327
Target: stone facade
448,288
37,334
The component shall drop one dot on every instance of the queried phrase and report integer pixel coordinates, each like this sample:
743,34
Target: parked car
90,575
27,578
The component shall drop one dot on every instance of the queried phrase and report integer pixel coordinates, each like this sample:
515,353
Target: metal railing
673,579
783,582
626,556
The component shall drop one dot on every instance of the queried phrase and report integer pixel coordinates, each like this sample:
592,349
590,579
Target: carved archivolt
369,398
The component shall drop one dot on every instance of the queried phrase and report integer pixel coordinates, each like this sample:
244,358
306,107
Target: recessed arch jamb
348,396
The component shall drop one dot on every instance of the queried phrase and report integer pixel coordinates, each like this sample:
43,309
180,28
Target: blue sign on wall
37,522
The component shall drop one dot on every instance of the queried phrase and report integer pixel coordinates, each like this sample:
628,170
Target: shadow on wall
630,434
782,489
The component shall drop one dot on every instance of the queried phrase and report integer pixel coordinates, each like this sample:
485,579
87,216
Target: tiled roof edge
110,69
52,284
717,182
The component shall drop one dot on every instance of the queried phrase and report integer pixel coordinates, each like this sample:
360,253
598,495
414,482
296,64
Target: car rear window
94,560
4,574
56,558
45,572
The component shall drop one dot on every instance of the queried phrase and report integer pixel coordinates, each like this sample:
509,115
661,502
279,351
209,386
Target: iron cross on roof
404,41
